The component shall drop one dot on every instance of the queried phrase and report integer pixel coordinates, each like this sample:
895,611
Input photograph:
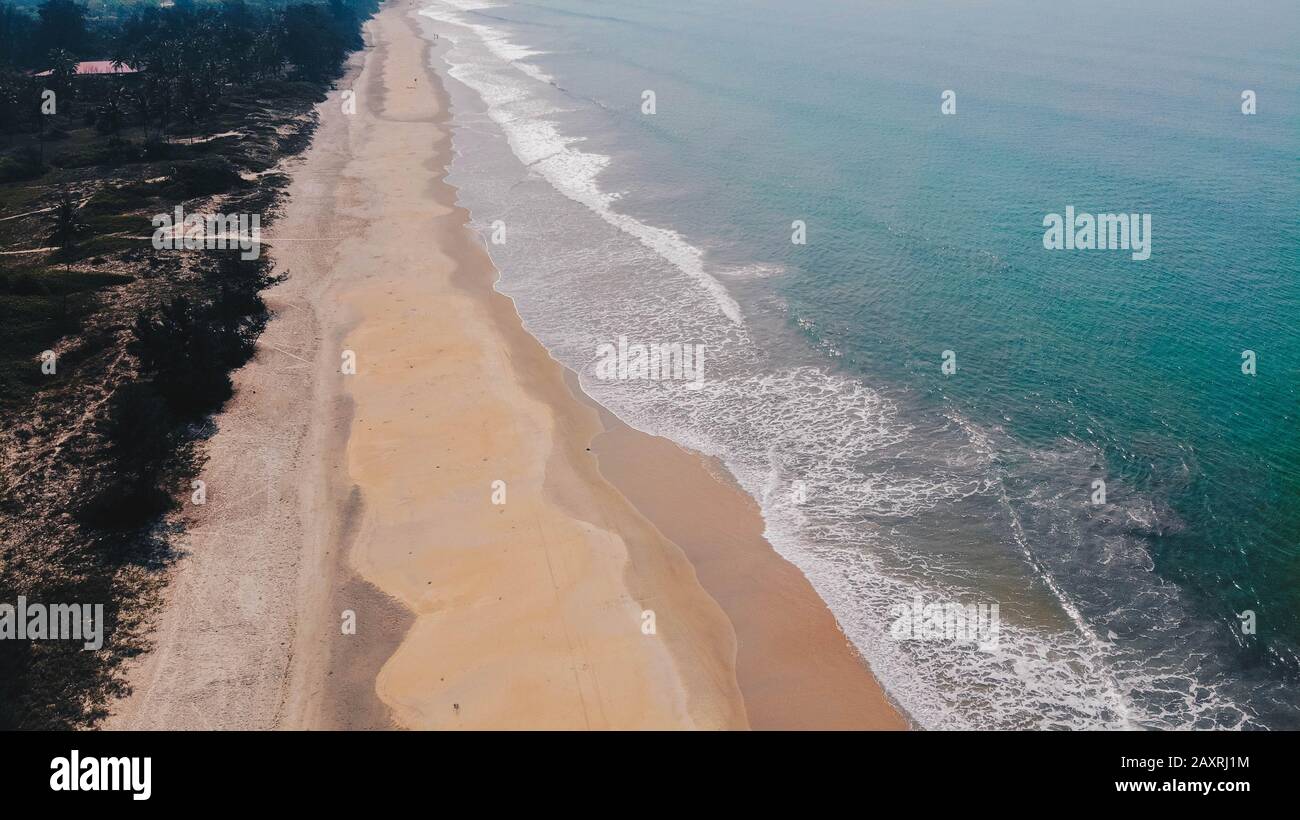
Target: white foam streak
868,470
539,145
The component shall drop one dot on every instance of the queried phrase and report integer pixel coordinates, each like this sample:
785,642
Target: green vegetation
94,456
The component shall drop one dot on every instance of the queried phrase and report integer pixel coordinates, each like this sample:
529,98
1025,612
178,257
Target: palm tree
109,115
67,220
63,67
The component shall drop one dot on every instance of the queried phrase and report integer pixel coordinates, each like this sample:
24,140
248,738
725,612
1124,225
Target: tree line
92,523
186,53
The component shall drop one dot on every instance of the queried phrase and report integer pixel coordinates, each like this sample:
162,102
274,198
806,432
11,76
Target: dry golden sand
528,613
470,614
250,636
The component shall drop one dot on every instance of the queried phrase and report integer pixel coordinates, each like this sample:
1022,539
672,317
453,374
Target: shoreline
524,615
796,668
470,614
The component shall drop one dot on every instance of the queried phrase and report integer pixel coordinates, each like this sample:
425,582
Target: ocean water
880,476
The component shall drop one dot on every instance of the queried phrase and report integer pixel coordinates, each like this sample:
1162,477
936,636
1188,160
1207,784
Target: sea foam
877,475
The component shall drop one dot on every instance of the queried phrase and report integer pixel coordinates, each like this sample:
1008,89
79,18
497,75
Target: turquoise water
924,235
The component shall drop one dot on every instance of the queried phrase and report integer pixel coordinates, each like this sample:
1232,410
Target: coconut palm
67,220
63,67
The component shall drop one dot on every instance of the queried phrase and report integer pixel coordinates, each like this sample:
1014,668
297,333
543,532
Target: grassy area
119,183
38,307
94,456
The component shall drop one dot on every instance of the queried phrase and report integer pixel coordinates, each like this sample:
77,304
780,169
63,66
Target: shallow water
879,475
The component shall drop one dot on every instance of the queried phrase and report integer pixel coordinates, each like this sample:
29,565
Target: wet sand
514,556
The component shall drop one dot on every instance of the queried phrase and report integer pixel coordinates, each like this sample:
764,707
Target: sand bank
505,545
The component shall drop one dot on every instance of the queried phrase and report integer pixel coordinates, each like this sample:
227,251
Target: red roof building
97,67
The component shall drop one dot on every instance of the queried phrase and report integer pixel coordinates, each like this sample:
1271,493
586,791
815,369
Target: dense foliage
187,53
93,458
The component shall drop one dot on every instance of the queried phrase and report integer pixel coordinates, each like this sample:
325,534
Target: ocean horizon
846,213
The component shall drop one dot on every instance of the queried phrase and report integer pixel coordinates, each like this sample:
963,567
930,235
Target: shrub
139,431
22,165
188,354
206,176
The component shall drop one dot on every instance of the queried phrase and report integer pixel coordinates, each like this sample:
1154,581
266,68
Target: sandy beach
403,456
